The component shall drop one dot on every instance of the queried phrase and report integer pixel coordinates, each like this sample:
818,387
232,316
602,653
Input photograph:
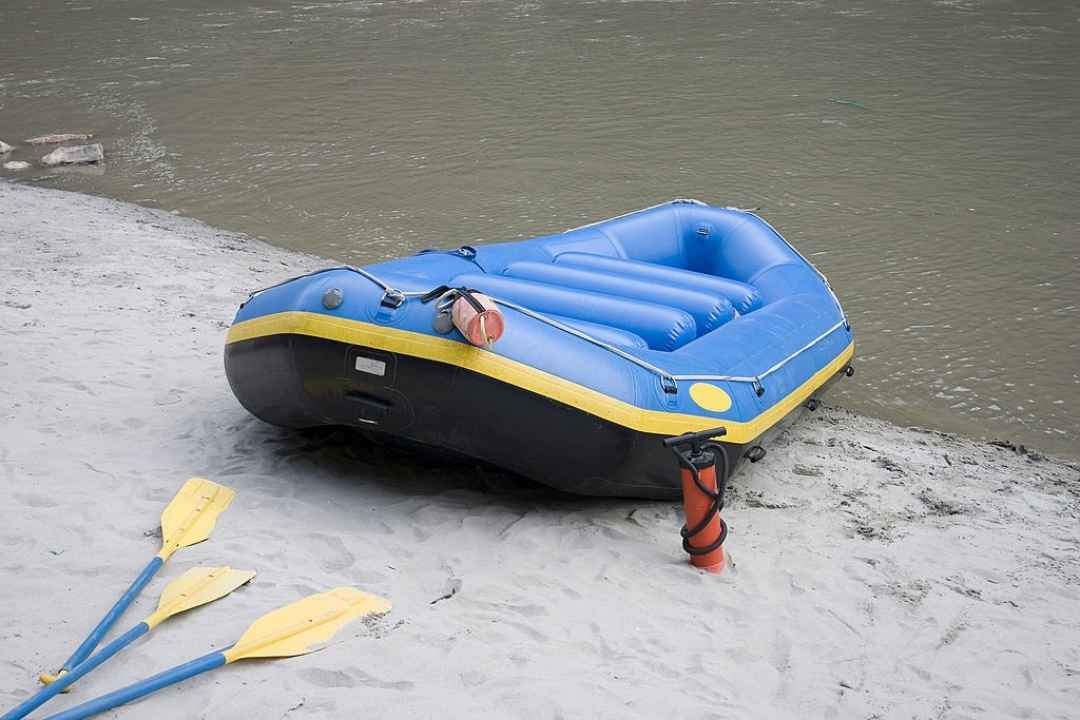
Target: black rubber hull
299,381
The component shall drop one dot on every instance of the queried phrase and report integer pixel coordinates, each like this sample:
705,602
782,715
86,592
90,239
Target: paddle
292,630
196,587
186,520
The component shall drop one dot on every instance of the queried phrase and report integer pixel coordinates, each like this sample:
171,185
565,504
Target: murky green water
925,154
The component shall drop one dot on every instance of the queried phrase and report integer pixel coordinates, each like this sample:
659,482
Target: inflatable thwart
581,350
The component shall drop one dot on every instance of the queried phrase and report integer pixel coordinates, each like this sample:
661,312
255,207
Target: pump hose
714,508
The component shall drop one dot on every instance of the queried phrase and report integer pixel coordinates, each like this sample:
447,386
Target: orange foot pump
705,531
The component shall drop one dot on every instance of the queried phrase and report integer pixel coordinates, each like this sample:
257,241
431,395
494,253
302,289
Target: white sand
880,572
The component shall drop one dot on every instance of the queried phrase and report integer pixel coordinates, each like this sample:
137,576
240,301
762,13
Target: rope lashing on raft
394,298
663,375
755,380
828,286
394,295
466,252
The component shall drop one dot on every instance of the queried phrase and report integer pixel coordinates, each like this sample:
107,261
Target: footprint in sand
328,678
368,680
781,660
325,678
529,611
338,557
473,678
172,397
35,501
74,384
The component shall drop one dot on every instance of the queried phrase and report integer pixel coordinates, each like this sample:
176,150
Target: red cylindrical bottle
480,327
696,506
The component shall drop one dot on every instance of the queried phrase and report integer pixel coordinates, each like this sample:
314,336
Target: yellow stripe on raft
354,332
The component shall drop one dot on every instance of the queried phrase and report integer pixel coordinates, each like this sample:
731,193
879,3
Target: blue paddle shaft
141,688
114,614
55,688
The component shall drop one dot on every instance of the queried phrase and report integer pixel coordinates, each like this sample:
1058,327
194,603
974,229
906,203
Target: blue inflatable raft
618,334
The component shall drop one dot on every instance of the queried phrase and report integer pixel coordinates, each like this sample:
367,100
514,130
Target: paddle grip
95,636
142,688
69,678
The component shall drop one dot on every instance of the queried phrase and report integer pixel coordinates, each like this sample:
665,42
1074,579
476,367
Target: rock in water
5,148
75,155
16,165
58,138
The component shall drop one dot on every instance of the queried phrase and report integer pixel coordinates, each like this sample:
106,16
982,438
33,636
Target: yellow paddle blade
305,625
198,586
48,679
191,515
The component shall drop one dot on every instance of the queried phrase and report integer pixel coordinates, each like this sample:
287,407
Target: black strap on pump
700,450
714,508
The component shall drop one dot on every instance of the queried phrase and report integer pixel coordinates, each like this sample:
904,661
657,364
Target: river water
925,155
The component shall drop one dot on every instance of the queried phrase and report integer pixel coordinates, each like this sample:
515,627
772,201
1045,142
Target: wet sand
878,571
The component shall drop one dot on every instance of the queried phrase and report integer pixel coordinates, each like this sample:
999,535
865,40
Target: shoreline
990,438
869,559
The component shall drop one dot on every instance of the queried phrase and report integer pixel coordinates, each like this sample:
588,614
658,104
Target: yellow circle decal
710,397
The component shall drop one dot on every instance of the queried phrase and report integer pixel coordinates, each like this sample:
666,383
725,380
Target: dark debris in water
1019,450
849,102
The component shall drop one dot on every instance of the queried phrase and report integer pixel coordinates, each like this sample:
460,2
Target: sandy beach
878,571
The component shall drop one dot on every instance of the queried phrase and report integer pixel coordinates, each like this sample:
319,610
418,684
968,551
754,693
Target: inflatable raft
614,336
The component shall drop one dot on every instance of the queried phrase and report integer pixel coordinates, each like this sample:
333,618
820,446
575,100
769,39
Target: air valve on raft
704,533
